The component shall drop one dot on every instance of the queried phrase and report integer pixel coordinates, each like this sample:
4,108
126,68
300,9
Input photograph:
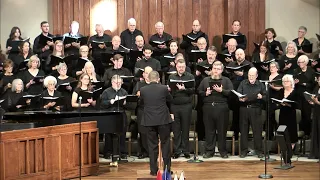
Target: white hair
49,79
89,63
289,77
294,46
14,84
304,58
159,23
61,65
132,20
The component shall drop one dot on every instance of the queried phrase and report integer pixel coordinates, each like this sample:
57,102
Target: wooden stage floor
229,170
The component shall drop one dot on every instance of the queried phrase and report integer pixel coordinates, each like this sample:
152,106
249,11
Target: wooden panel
216,16
48,152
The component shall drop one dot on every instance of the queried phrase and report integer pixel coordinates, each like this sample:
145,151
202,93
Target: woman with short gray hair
50,95
288,62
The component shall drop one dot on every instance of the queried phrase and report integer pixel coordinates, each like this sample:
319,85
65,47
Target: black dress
4,82
12,100
66,93
315,132
78,91
44,102
288,115
33,89
18,66
14,52
286,60
262,73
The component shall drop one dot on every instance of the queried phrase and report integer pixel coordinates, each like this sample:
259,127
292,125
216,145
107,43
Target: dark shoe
107,156
153,173
243,155
224,156
142,156
176,155
251,153
208,155
260,155
123,156
187,155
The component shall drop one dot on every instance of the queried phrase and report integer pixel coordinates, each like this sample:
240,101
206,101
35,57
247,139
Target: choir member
58,51
142,129
263,55
273,93
15,35
305,81
14,96
161,36
288,62
147,60
50,83
33,72
273,45
236,77
84,56
215,109
211,57
66,91
8,77
43,51
250,112
128,36
99,37
2,58
316,57
73,48
116,69
173,69
110,100
90,71
301,40
25,54
181,107
236,26
315,136
287,114
139,43
231,50
195,33
84,85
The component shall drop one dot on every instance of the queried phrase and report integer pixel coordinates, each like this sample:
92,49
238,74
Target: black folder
139,72
245,67
213,82
222,57
15,44
90,94
238,38
38,79
97,84
190,39
134,54
203,68
82,40
55,60
44,39
63,87
95,44
197,54
23,65
126,78
81,63
306,48
263,63
23,99
58,100
107,56
301,77
132,98
187,83
156,43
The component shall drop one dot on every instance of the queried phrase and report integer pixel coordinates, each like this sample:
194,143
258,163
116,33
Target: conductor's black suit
158,122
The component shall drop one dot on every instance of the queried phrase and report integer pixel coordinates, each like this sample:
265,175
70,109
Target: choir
64,72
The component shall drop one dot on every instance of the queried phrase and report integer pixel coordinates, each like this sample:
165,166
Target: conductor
157,119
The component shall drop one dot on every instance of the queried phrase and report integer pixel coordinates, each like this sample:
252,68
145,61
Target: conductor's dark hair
13,30
43,22
147,47
236,21
272,31
153,76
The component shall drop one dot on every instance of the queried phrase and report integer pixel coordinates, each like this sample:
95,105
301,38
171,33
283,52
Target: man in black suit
157,119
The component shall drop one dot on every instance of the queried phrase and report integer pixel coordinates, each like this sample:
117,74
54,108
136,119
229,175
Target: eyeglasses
84,51
299,62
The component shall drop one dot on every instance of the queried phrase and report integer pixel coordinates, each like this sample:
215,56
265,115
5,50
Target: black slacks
143,144
181,126
215,118
251,116
163,131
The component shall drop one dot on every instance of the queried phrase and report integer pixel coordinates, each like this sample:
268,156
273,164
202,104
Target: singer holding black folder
288,62
72,48
64,85
14,95
33,77
236,26
215,90
20,62
304,81
51,62
301,40
84,85
182,87
274,46
43,49
160,41
8,77
13,43
147,60
261,60
49,99
128,36
114,99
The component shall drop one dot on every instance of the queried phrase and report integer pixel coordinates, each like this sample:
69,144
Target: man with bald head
128,36
236,77
73,48
142,129
195,33
139,43
161,36
231,49
250,112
